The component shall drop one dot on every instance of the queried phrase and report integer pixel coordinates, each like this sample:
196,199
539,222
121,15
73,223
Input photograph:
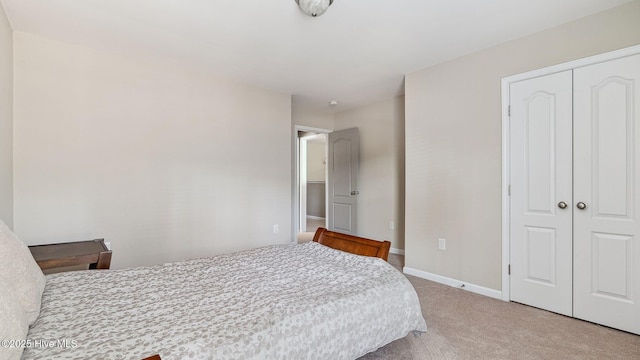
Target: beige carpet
312,226
463,325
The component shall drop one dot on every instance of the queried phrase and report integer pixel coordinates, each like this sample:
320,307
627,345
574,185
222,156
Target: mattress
303,301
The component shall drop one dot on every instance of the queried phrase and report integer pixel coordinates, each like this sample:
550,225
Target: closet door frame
506,171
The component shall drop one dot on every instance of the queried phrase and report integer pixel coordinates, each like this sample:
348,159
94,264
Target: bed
299,301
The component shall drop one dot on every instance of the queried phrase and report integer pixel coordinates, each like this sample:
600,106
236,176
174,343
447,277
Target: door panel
607,179
541,177
611,120
540,255
539,123
611,273
342,217
343,180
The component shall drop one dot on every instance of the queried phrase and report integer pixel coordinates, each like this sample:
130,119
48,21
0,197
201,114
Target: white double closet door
575,193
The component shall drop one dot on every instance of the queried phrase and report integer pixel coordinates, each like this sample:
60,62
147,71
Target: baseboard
396,251
454,283
315,217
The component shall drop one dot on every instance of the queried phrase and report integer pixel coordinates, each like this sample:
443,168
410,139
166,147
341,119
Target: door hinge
509,190
509,269
509,110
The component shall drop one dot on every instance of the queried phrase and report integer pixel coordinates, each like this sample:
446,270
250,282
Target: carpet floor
464,325
312,226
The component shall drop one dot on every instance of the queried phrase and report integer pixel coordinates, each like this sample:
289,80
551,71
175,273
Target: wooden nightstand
90,252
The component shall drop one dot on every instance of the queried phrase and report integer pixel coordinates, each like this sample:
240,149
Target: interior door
607,193
541,192
343,148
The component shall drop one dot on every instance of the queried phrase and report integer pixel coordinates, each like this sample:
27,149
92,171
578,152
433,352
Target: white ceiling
357,52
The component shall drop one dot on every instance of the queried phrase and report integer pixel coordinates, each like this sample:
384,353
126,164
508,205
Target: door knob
562,205
581,205
355,192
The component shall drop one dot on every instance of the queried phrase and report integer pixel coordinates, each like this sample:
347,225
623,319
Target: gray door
343,180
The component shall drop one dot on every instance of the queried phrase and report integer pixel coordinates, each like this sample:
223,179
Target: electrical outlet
442,244
276,229
392,225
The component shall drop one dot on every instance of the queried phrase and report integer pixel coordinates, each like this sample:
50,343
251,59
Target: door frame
303,144
296,183
506,141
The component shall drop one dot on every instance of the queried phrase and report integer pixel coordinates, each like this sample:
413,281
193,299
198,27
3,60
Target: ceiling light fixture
314,7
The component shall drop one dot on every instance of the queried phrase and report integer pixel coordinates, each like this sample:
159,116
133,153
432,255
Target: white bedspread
281,302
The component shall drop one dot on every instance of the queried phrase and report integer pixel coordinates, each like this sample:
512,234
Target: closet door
607,193
541,177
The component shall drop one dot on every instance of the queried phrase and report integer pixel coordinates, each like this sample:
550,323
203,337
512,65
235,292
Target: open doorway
312,182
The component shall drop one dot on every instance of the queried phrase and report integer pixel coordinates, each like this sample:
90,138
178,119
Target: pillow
13,323
20,271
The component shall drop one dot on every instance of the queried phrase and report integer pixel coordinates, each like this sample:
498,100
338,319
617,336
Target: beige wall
316,160
453,142
6,120
316,177
381,172
163,162
304,117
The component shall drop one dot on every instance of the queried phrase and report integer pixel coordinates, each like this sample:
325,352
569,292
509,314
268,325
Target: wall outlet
442,244
392,225
276,229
